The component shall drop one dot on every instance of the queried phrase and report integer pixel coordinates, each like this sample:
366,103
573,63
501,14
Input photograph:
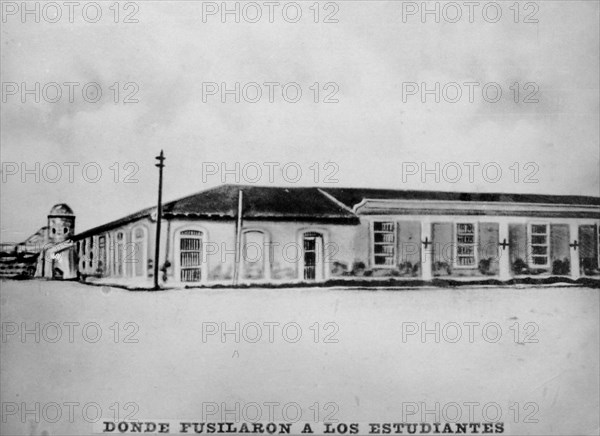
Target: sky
176,64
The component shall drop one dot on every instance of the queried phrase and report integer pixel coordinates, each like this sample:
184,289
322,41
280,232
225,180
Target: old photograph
310,217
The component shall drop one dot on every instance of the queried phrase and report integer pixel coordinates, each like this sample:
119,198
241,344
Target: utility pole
238,239
160,158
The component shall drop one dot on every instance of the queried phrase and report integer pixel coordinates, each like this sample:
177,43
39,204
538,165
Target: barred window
466,245
101,251
119,255
384,243
190,252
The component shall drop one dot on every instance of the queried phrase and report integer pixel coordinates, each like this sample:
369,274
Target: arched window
110,254
139,251
255,255
119,255
102,263
312,256
81,247
189,255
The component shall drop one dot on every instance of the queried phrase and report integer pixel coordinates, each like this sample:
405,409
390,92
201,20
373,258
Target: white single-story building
250,234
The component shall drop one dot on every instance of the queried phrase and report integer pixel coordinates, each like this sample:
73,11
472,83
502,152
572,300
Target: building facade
57,257
47,253
248,234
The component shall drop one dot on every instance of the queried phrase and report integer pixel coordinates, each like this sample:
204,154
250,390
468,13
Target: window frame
374,243
102,251
475,245
530,245
140,253
320,269
176,253
119,254
81,254
597,225
191,235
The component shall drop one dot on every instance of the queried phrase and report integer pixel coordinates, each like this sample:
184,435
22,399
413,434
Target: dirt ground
72,354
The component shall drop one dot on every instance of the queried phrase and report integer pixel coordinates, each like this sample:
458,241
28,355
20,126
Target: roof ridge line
336,201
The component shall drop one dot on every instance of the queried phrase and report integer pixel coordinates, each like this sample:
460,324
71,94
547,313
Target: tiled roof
352,196
270,203
314,204
260,202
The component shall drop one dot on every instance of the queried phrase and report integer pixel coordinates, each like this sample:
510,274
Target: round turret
61,209
61,223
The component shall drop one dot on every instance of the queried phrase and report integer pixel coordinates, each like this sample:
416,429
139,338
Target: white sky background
369,134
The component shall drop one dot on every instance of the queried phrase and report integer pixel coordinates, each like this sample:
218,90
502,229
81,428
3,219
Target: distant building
289,235
58,258
46,253
61,223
